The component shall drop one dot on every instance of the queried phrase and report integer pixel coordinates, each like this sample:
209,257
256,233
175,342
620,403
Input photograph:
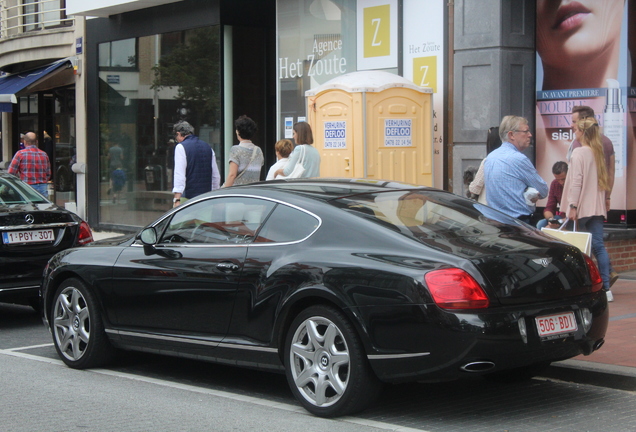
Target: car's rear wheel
76,324
326,367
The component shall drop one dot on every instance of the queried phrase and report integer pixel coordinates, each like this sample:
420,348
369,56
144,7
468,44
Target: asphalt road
143,392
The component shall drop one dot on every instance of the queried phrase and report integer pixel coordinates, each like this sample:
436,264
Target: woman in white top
283,150
305,150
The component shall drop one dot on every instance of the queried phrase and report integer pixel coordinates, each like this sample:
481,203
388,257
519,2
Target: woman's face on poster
577,30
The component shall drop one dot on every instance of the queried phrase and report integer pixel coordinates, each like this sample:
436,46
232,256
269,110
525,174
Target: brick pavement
620,341
614,365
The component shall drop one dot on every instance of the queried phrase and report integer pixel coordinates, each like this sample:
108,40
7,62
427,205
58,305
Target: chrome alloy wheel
320,361
71,323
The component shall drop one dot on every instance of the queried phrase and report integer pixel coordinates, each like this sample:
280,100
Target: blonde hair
284,147
591,137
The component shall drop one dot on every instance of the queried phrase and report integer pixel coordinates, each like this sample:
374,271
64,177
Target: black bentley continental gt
32,230
341,284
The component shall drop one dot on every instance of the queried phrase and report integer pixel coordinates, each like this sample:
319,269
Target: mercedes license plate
33,236
556,324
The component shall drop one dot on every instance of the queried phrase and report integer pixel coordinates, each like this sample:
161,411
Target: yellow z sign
377,31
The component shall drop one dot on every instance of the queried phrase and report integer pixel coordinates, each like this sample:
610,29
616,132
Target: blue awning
13,84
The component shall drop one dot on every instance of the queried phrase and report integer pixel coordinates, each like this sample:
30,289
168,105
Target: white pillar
81,124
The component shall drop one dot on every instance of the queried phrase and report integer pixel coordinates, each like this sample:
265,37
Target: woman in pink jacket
586,189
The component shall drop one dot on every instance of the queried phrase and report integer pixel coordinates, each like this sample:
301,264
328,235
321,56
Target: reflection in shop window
316,43
146,85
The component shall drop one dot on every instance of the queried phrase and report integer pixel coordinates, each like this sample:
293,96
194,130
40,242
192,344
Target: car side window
8,194
227,220
287,224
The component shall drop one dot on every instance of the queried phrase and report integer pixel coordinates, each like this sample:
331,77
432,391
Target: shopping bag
297,172
299,169
580,239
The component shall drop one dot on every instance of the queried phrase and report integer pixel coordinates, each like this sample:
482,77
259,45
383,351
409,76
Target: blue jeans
544,222
42,188
594,225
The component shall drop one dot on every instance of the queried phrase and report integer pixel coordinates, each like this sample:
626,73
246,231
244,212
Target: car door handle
227,266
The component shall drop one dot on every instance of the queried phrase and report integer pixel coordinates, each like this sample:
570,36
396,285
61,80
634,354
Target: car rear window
287,224
427,214
13,191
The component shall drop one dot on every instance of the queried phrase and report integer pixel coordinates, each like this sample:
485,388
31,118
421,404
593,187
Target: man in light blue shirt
508,172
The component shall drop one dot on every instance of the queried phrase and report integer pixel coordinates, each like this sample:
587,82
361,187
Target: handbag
579,239
298,170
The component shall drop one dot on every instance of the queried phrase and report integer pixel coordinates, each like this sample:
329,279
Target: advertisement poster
377,34
582,56
289,124
423,48
398,132
335,135
631,109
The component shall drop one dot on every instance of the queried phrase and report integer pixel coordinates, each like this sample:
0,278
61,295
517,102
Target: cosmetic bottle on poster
614,123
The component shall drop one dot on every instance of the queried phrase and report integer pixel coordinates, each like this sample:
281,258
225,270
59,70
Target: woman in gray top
246,158
311,158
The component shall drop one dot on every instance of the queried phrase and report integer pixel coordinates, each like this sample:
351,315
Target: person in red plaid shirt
32,165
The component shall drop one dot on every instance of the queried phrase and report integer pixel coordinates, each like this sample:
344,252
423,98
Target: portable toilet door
337,135
399,142
373,124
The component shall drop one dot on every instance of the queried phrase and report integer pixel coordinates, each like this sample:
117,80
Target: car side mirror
149,238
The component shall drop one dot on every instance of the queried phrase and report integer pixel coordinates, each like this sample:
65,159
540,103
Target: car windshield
14,191
428,215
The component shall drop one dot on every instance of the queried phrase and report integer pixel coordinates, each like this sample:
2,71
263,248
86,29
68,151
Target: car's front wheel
326,367
76,324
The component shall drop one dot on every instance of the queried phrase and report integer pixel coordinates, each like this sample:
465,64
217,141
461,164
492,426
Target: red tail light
595,275
85,234
455,289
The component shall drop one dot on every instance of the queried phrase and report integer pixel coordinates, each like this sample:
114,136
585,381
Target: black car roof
332,188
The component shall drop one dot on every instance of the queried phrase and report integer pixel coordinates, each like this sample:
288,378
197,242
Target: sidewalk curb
598,374
597,367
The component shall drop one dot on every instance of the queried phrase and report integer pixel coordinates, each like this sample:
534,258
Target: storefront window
146,85
61,111
317,42
118,54
51,115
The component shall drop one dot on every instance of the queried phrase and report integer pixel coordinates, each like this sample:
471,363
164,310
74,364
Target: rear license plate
556,324
33,236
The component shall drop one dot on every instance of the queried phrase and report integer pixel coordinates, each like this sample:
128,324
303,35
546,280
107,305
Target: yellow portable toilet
375,125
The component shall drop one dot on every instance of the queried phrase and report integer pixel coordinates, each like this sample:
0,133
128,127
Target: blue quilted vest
199,166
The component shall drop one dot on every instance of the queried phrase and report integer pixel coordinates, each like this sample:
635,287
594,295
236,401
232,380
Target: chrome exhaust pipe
478,366
599,343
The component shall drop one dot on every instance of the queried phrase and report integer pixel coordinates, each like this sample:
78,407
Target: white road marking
29,347
14,352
